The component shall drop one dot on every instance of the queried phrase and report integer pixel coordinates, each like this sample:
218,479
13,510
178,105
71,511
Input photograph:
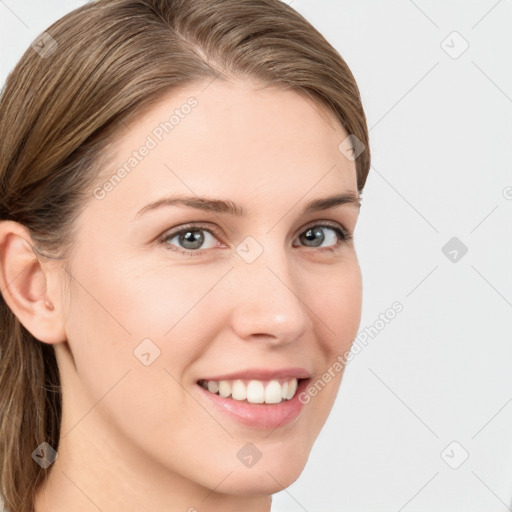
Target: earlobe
24,284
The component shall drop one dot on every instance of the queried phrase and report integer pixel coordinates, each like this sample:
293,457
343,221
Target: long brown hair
62,104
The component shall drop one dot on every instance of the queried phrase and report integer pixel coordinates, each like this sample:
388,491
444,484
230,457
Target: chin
262,481
277,469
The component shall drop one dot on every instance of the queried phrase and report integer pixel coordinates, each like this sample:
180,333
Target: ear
24,280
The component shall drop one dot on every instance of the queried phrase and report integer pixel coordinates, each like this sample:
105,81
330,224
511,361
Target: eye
189,240
315,236
192,240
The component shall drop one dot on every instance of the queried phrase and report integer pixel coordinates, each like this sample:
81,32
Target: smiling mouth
253,391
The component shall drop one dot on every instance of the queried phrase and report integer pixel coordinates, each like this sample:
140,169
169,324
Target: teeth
213,386
239,391
224,388
273,392
284,391
292,387
255,391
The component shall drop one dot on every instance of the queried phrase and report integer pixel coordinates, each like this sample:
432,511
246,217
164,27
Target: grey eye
191,239
315,236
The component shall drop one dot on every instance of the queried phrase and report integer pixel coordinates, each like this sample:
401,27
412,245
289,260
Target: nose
269,304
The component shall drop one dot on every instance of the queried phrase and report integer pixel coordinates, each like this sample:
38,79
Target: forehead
228,138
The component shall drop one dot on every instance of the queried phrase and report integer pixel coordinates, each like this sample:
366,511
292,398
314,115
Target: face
240,290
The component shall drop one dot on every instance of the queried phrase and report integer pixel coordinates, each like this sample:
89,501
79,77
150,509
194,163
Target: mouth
258,399
253,391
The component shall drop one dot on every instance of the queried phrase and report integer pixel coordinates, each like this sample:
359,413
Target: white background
441,141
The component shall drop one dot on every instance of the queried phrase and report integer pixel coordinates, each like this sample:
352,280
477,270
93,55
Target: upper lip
263,374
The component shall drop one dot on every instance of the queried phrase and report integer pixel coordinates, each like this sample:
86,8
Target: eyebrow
226,206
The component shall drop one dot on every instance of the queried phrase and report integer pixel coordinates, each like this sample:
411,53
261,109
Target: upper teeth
254,391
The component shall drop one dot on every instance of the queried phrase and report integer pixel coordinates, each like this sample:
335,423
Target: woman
180,184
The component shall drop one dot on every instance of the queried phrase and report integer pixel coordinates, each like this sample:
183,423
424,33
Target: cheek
112,311
335,300
123,304
124,316
158,297
334,297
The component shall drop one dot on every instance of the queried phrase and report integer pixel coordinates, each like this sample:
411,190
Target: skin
138,437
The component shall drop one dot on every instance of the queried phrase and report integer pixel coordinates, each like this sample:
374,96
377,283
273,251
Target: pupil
315,235
195,238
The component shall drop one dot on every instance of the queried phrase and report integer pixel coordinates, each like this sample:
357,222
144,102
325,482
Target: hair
110,61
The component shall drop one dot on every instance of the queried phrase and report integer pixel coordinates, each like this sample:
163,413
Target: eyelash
343,235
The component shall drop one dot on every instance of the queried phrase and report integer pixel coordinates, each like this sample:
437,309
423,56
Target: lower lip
263,416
